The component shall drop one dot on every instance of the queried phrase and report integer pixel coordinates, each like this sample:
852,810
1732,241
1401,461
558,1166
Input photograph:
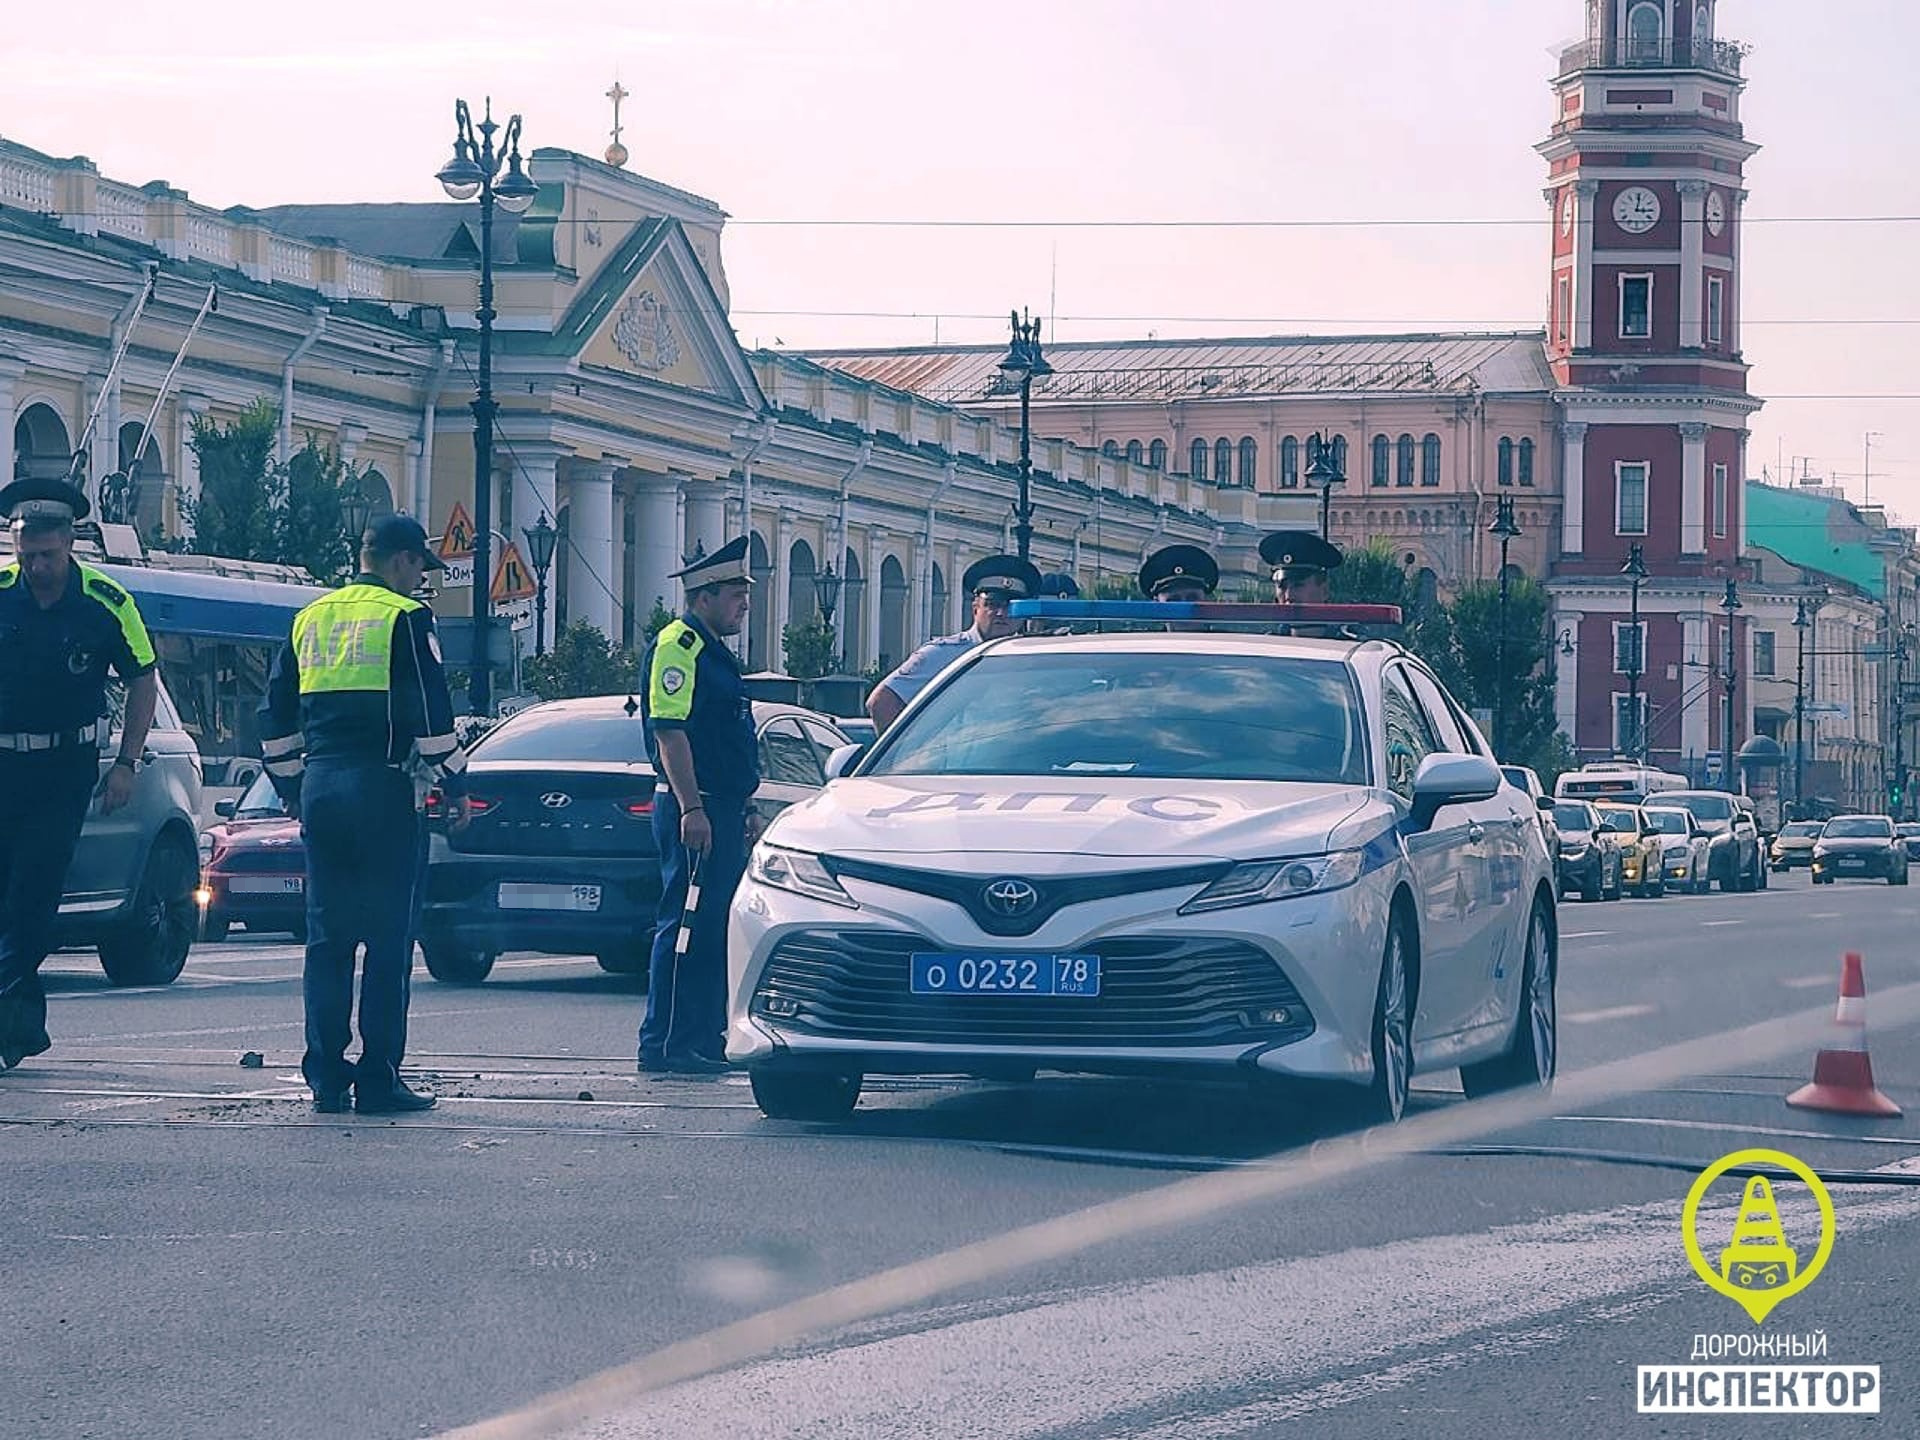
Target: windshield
1800,829
1144,715
261,802
1572,817
546,735
1906,829
1708,808
1668,822
1858,827
1620,821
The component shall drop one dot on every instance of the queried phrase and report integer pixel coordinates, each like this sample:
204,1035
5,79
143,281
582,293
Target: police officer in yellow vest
63,625
700,738
357,704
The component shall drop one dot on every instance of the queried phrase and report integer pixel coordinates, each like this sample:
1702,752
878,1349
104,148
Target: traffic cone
1843,1075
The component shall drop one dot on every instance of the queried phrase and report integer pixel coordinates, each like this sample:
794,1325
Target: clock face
1716,212
1636,210
1566,214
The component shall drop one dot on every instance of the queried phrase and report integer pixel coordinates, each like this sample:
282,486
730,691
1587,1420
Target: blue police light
1217,612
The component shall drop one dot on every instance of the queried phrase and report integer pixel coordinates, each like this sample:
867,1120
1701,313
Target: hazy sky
1056,111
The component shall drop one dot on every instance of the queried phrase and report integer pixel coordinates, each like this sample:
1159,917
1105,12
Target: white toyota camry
1154,852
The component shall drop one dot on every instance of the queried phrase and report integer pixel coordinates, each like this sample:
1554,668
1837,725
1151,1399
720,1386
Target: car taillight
639,809
476,804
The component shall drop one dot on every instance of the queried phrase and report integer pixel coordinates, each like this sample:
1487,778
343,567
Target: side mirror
840,761
225,808
1444,780
1543,802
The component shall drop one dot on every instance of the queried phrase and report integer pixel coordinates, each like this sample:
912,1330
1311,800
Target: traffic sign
516,614
459,573
511,578
1826,707
457,542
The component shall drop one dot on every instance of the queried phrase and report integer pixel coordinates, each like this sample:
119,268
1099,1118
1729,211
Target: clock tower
1646,162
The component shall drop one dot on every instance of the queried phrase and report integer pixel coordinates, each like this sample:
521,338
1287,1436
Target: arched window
1403,460
1157,454
1380,448
894,635
1289,463
803,600
1340,454
1197,460
1223,461
1135,451
1430,460
1526,462
1645,30
1506,460
1111,449
1249,460
853,611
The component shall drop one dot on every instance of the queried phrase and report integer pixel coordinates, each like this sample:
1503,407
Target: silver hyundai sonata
1154,852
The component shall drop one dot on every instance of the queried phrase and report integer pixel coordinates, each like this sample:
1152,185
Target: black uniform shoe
397,1101
336,1102
685,1066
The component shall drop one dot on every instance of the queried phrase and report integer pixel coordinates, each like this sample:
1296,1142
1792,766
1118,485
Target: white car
1684,848
1203,853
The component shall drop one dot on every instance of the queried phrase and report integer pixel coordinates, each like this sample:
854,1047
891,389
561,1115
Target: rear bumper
256,909
463,903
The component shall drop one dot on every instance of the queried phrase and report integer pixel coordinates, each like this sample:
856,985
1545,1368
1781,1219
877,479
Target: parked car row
1682,840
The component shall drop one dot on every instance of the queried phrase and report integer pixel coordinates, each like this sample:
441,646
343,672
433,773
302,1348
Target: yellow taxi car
1641,872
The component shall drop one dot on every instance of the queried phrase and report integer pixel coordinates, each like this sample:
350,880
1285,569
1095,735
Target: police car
1203,853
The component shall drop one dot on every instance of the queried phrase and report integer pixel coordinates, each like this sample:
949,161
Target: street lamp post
1731,604
474,171
1636,571
356,512
826,589
1025,364
541,539
1323,472
1508,530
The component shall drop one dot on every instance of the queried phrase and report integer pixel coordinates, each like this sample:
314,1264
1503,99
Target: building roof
1157,371
1816,532
431,230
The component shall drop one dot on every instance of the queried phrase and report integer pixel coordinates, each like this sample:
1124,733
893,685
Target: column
870,600
706,515
10,372
592,579
1566,674
656,545
1573,486
347,442
1693,489
1700,690
533,486
922,603
782,553
186,460
1693,232
1586,192
1730,320
1737,494
416,501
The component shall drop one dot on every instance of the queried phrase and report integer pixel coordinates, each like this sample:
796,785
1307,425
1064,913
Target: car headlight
1255,881
798,871
206,848
1820,852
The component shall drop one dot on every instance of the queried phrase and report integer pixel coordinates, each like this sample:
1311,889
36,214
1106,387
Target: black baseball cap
399,534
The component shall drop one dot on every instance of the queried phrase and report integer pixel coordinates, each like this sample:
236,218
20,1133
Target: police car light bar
1218,612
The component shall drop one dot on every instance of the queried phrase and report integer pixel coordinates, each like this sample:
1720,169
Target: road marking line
1708,923
1807,982
1909,1141
1824,915
1612,1012
235,1029
1583,934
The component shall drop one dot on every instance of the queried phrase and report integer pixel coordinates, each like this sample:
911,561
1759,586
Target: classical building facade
629,415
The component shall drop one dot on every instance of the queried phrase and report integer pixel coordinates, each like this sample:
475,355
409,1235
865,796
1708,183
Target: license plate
936,973
1853,864
516,896
267,885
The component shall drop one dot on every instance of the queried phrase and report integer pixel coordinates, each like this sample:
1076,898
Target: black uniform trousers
687,993
44,796
362,835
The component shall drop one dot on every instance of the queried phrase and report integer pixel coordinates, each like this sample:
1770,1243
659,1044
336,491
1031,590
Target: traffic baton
691,909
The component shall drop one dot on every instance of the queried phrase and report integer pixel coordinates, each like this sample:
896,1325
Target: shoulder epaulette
102,588
687,638
9,574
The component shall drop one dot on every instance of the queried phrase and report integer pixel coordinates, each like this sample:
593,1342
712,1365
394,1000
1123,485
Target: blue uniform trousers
687,994
362,835
44,795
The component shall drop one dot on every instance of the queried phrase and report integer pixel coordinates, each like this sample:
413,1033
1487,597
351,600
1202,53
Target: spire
616,152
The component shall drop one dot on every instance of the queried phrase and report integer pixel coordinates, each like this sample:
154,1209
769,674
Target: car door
790,768
1494,862
111,848
1443,858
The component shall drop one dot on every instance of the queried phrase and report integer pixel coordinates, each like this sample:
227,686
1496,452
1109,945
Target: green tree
583,661
658,620
809,645
1464,650
1112,587
1370,575
313,531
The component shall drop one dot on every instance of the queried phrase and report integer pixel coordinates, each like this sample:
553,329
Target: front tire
1533,1056
1391,1042
454,964
149,946
784,1094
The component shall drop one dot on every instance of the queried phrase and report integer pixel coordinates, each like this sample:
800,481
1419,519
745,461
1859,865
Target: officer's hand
459,814
696,832
756,827
116,790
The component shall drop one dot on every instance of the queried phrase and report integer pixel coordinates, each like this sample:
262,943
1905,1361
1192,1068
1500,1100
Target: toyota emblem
556,800
1010,897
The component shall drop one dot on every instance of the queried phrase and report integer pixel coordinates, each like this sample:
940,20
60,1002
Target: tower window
1289,463
1135,453
1430,460
1716,301
1630,501
1249,460
1197,464
1645,30
1223,461
1403,460
1340,455
1562,308
1720,502
1506,460
1636,307
1157,454
1380,447
1526,462
1110,449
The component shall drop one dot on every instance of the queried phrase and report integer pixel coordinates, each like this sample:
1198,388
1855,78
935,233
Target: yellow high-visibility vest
344,641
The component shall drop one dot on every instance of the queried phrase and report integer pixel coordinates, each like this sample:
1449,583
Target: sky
1065,116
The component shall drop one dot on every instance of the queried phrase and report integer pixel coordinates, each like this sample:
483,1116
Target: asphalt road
190,1252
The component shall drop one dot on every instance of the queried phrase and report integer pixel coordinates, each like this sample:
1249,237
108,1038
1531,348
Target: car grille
279,860
1046,896
1154,991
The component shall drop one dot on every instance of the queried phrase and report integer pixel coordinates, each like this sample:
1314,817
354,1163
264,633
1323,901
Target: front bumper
279,902
1282,987
1855,867
1798,858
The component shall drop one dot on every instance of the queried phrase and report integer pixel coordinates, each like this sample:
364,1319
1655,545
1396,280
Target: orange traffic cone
1843,1075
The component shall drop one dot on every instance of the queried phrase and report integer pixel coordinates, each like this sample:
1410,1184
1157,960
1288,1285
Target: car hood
961,815
1790,842
1855,844
1676,842
252,834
